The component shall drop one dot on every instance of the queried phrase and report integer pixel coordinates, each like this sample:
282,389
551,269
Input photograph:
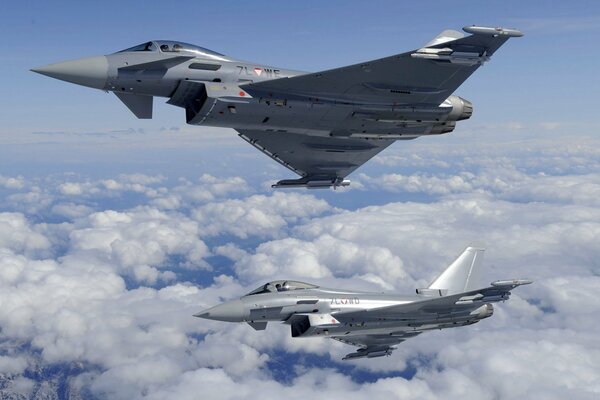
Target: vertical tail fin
463,274
446,36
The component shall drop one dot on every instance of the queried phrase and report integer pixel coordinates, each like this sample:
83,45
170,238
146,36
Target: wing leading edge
428,75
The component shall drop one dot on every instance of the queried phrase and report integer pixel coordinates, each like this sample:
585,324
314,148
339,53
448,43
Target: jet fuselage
214,81
321,125
325,308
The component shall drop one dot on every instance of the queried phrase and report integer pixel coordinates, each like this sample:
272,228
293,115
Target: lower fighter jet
375,322
321,125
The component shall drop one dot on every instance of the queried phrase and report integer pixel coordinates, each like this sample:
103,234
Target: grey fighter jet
320,125
375,322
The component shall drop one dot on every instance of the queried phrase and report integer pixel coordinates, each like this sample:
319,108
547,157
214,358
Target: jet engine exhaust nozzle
461,109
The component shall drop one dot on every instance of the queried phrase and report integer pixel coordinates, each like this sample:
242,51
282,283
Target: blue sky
114,231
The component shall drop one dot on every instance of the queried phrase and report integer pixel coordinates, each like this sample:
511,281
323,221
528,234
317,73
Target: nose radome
232,311
89,71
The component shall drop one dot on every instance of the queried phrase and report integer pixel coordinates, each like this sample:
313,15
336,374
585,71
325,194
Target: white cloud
324,257
207,189
418,183
142,179
518,234
140,240
18,234
75,189
31,202
257,215
524,171
71,210
12,365
136,183
12,182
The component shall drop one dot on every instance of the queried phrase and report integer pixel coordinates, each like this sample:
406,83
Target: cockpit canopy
281,286
169,46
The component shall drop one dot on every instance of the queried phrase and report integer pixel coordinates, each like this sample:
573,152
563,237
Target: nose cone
232,311
89,71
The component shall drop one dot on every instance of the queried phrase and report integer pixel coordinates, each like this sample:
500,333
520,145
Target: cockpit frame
281,286
171,46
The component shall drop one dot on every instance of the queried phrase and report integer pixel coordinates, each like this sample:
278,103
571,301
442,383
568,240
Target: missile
501,297
469,299
482,30
512,282
361,353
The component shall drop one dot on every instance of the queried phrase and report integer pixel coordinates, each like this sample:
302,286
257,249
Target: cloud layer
96,278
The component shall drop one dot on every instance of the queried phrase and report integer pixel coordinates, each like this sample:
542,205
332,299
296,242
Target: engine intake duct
190,95
300,326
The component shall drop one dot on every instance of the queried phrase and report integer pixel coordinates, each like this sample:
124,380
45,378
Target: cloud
137,183
141,240
18,234
75,189
31,202
517,233
11,182
12,365
324,257
71,210
530,173
418,183
206,189
257,215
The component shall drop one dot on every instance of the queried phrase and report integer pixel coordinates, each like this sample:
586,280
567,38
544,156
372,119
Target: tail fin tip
463,274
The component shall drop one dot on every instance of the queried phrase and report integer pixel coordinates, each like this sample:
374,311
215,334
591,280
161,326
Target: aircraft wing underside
320,161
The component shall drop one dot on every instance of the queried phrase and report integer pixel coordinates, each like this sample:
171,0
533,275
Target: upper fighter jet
320,125
375,322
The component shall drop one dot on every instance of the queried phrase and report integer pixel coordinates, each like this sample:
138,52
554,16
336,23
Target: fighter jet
375,322
321,125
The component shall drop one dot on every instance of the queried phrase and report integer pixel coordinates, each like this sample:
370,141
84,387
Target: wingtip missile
484,30
511,282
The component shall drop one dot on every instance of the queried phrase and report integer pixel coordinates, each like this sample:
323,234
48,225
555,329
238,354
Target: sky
114,231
